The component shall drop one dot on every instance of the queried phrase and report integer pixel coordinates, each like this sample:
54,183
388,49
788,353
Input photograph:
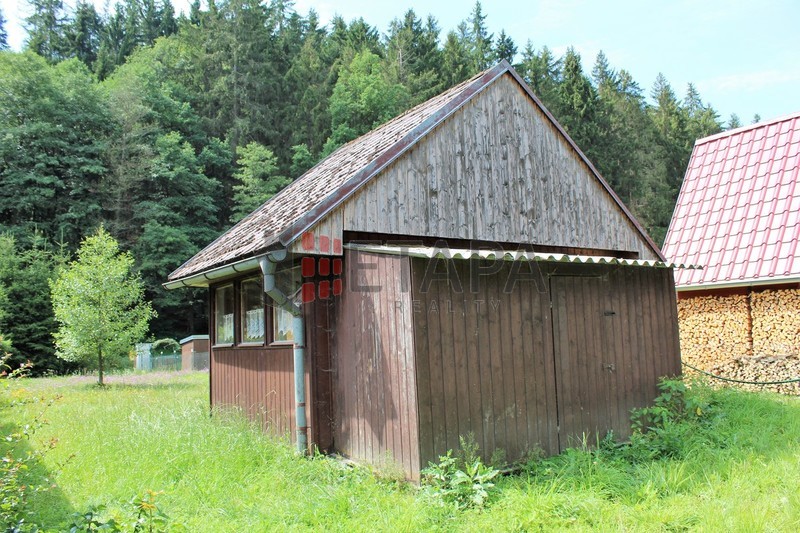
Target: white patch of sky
740,54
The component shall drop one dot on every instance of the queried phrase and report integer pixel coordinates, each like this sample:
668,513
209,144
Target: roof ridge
748,127
353,173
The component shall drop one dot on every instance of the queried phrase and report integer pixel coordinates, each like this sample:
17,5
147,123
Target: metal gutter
204,279
762,282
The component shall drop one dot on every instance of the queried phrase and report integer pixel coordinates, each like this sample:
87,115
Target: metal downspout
268,265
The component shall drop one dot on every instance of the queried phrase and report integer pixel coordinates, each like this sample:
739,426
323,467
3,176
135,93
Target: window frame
217,290
274,310
259,281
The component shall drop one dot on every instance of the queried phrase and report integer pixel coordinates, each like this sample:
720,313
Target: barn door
585,365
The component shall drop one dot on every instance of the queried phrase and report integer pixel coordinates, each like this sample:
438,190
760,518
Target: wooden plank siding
319,370
259,381
495,171
614,337
500,387
372,348
549,360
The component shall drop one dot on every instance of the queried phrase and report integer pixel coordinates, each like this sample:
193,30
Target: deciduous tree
99,305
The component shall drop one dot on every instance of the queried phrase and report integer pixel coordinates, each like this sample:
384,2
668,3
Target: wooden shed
195,352
738,215
462,269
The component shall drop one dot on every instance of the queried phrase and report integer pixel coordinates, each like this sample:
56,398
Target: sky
743,56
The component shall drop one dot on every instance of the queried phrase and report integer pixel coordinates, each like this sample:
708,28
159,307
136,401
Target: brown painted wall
510,369
188,349
373,354
615,334
319,399
260,381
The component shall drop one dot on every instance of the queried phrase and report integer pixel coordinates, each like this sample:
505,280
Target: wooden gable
496,170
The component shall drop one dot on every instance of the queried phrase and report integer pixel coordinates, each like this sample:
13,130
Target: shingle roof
262,228
308,199
738,212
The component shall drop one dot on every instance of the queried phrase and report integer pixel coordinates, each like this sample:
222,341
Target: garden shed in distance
195,352
738,214
461,269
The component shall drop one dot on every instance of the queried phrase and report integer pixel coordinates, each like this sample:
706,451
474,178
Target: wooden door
587,377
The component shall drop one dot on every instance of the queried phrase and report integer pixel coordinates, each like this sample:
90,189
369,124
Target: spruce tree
54,132
413,55
481,40
456,62
46,28
505,48
3,32
83,33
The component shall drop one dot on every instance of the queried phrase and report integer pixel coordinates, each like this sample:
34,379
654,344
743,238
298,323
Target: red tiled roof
738,212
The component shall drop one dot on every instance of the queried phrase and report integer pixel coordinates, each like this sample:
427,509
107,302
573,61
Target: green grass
740,472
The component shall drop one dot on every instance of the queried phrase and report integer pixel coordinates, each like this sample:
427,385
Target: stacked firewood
776,322
718,335
713,328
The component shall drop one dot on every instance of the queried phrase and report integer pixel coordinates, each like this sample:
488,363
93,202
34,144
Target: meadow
733,465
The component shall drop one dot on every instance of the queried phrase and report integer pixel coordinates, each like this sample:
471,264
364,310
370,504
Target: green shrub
464,481
17,481
668,428
165,347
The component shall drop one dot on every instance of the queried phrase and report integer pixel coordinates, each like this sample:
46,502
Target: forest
165,129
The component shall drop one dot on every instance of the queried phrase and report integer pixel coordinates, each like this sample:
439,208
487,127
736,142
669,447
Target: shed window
252,322
223,315
288,281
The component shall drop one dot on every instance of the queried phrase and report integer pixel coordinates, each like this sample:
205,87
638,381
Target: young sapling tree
99,304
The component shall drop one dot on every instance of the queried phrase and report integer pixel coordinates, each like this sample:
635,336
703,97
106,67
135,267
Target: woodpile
720,335
712,328
776,323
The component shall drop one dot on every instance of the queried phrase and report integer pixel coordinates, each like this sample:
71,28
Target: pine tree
734,122
481,40
83,33
46,28
3,32
505,48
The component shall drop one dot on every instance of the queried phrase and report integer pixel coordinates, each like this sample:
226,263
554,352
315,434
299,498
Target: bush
16,480
668,428
464,481
165,347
